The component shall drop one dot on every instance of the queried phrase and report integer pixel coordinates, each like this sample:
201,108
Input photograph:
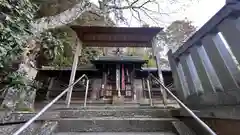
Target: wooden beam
116,37
101,29
108,44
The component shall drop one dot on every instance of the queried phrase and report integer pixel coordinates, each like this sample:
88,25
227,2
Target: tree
15,25
171,38
177,33
68,38
56,13
139,9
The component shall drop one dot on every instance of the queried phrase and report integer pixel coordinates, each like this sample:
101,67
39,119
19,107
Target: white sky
199,11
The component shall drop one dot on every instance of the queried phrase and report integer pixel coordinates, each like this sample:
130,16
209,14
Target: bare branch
133,5
142,9
149,16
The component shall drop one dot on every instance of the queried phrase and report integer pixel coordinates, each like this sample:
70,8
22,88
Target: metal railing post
149,93
186,108
86,94
29,122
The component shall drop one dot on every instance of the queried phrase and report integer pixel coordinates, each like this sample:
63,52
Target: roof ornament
118,52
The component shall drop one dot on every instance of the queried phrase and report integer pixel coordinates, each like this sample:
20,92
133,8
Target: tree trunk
22,99
65,17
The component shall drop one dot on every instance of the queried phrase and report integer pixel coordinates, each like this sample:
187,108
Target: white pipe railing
29,122
86,94
205,126
149,93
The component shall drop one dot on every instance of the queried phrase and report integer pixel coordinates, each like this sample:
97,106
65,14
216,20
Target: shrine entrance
118,72
118,75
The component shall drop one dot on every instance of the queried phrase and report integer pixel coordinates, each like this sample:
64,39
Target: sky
200,12
197,11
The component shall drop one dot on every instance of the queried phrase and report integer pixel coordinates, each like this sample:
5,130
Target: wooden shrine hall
110,76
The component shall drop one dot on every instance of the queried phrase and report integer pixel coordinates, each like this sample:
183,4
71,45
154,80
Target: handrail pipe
149,93
29,122
86,94
186,108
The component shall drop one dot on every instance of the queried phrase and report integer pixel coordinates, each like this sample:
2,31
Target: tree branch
65,17
132,5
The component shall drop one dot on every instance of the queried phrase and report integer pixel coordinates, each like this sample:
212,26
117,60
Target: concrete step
115,124
115,133
183,129
101,104
57,107
10,129
132,113
37,128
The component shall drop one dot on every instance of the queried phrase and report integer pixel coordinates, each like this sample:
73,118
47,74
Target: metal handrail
186,108
149,93
86,94
29,122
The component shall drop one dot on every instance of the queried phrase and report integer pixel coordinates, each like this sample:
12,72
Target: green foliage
15,19
54,45
50,45
16,79
62,61
151,61
57,49
88,54
15,25
19,81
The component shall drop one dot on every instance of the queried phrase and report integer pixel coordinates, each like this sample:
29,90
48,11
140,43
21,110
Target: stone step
103,106
183,129
133,113
115,124
115,133
37,128
10,129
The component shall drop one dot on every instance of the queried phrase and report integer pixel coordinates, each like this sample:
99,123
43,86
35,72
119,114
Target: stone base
212,99
118,100
144,102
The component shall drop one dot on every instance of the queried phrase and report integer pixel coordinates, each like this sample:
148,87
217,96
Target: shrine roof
98,36
153,69
87,67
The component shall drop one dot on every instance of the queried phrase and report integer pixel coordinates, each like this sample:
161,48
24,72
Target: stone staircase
105,120
115,120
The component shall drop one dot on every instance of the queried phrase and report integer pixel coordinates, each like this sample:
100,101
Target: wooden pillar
190,72
206,72
222,62
133,81
178,77
118,80
157,55
73,73
230,30
104,82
